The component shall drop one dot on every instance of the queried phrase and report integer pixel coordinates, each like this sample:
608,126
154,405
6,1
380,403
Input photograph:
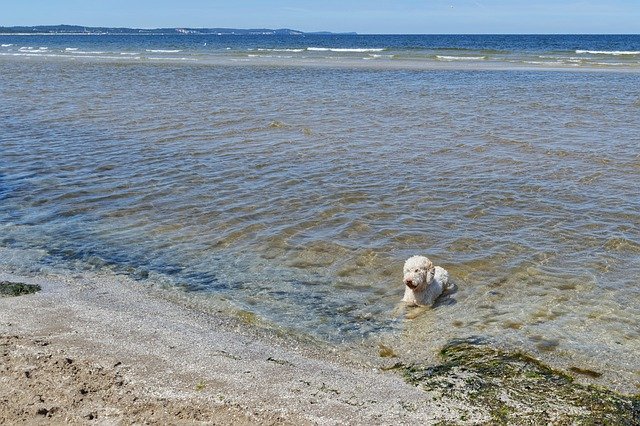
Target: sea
287,178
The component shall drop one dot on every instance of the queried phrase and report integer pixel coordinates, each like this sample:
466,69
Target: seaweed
11,289
513,388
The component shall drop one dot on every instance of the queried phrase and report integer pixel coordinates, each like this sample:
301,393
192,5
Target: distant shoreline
89,30
83,30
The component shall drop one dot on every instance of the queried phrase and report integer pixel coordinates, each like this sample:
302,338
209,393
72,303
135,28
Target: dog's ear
429,266
431,270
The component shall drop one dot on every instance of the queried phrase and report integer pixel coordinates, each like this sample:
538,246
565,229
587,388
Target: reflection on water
296,194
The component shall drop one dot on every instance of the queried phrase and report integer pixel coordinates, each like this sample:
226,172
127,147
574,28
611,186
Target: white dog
423,281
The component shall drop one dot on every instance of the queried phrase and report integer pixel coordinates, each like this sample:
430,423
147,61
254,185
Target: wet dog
423,281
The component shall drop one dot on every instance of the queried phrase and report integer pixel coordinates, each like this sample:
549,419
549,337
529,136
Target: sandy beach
100,348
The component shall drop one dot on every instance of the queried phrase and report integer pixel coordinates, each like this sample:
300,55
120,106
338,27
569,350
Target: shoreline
167,354
100,348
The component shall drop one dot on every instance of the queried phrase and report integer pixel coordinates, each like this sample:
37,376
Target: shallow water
296,193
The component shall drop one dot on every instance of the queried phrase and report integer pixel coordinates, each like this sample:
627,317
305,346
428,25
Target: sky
362,16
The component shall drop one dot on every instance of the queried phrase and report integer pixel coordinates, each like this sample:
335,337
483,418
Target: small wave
461,58
612,64
163,51
32,49
561,58
82,52
47,54
250,55
609,52
71,49
171,59
7,45
129,53
339,49
281,50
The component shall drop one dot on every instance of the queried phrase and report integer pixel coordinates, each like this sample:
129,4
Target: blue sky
363,16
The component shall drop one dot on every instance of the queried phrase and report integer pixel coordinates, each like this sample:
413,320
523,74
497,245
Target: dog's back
442,277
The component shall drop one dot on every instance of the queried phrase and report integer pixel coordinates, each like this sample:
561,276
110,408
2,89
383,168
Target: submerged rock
514,388
9,289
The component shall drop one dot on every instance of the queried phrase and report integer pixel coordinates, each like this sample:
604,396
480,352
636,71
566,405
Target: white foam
71,49
82,52
562,58
339,49
461,58
129,53
282,50
7,45
614,64
39,54
609,52
163,51
32,49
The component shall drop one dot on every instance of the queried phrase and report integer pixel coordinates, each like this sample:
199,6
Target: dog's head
418,272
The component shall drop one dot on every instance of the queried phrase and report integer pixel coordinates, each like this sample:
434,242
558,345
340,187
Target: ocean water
293,187
388,51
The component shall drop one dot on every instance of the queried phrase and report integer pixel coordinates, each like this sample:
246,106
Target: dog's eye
417,270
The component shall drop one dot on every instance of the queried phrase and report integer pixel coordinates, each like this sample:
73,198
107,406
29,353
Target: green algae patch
511,388
10,289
